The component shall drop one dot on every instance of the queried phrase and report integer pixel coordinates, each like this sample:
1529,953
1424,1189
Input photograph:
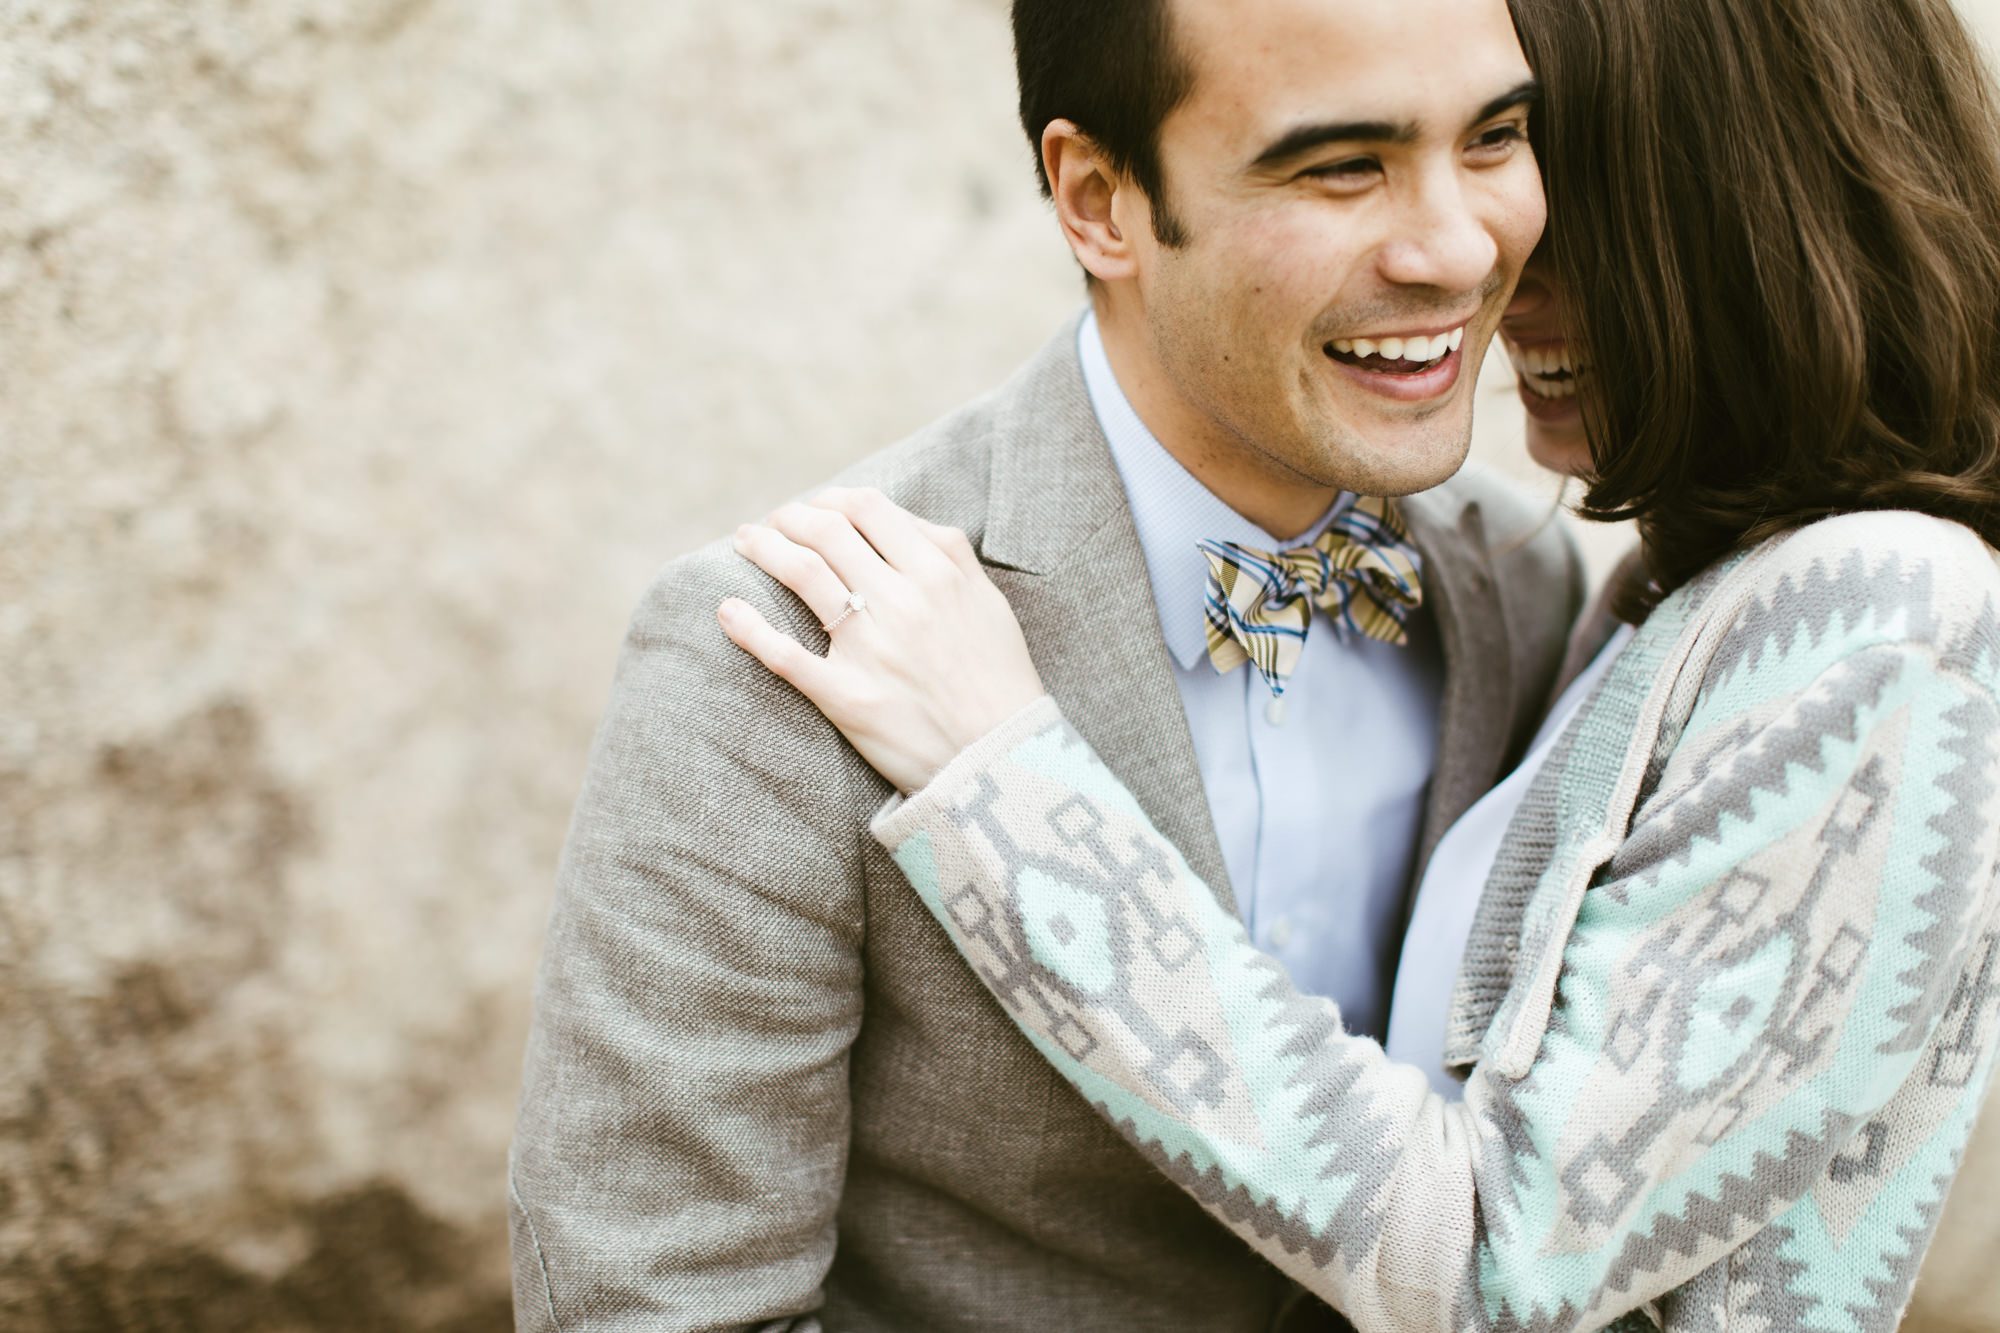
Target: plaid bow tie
1362,571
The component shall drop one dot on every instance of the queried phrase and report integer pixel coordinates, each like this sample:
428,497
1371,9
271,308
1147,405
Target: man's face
1357,194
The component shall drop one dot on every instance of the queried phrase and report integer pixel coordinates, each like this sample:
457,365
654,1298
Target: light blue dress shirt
1318,798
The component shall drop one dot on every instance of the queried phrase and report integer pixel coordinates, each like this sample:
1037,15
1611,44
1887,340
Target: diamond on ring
855,602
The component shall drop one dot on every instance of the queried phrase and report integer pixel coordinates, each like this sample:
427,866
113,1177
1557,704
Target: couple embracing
1160,851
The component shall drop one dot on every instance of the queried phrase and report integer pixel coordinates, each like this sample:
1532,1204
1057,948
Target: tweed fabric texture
761,1090
1752,1013
1363,571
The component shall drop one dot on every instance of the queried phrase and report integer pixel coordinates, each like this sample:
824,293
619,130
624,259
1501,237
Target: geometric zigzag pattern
1750,975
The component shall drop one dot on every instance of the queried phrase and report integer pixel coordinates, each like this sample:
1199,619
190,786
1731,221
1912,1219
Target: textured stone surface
359,360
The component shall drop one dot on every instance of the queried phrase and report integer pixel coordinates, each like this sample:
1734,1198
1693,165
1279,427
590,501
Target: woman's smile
1546,369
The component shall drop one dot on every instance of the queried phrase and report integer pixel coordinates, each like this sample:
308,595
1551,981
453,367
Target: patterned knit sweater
1730,1006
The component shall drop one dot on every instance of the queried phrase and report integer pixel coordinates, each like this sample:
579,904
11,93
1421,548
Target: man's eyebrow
1308,137
1305,138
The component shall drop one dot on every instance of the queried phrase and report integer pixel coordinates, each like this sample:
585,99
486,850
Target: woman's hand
934,661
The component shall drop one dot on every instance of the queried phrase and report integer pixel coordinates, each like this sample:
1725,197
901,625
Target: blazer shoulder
698,735
1511,516
951,470
1527,539
942,473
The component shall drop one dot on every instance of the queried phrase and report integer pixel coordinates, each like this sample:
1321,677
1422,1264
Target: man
762,1090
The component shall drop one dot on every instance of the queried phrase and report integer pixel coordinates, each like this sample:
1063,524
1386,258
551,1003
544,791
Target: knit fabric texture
1735,991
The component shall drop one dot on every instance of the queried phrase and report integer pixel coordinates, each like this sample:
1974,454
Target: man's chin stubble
1395,470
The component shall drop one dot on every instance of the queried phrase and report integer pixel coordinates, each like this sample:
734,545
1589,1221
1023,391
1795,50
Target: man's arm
683,1125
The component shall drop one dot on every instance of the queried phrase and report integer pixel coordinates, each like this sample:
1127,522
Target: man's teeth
1547,369
1419,349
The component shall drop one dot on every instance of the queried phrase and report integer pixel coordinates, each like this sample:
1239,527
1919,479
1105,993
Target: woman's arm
1752,979
1734,1010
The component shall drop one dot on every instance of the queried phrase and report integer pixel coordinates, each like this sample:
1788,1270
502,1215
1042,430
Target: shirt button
1275,711
1281,933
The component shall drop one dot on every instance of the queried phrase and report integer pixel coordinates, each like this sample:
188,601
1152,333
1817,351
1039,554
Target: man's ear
1093,202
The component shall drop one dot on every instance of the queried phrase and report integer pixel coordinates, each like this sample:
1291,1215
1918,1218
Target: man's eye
1353,171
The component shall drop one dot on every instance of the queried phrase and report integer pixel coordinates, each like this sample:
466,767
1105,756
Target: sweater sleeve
1748,982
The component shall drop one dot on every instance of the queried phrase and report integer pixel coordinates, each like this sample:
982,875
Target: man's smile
1397,354
1410,367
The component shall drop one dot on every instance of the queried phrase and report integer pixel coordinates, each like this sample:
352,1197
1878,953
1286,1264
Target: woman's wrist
904,814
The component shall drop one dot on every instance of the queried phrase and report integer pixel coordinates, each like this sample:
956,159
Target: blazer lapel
1477,714
1060,542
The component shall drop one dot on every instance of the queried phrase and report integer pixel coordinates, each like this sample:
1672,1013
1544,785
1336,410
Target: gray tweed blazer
762,1091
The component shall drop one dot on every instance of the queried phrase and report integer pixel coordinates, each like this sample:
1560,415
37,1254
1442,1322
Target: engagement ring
855,602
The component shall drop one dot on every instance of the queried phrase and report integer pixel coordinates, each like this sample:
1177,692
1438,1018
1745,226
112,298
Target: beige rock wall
359,361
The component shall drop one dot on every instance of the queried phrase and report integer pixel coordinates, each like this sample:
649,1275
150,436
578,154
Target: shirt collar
1172,511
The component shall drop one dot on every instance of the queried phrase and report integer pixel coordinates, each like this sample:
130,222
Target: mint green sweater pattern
1728,1011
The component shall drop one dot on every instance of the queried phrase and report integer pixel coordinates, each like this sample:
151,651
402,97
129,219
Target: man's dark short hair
1110,66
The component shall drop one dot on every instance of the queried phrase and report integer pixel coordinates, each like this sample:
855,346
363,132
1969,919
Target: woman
1729,1005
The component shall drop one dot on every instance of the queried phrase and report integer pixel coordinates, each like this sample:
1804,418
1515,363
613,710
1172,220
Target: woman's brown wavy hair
1777,224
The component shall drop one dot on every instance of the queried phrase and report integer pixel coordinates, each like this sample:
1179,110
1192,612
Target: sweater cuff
902,816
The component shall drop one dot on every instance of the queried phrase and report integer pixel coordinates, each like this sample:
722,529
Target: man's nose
1440,242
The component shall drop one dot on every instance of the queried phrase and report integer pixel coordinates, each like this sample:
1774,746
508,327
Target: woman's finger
787,658
844,549
799,568
891,529
957,548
